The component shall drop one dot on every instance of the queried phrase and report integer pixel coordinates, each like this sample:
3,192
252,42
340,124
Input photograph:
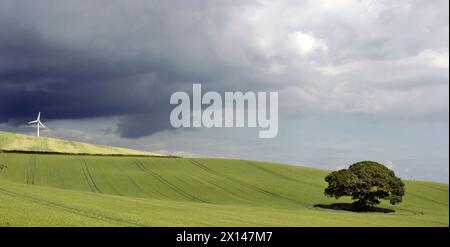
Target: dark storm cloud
144,124
105,58
85,59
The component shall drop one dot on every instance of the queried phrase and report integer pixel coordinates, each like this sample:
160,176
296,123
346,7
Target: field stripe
276,174
88,176
245,184
79,211
130,179
223,188
427,199
33,174
28,174
172,186
169,184
141,168
30,177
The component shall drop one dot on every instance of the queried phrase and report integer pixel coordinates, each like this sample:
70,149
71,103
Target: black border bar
288,236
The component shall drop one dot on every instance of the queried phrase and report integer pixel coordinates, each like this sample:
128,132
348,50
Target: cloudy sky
357,80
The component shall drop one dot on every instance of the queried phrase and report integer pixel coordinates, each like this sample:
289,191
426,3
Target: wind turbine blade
39,116
42,125
32,122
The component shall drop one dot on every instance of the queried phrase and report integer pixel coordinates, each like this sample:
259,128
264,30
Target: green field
38,189
76,190
19,142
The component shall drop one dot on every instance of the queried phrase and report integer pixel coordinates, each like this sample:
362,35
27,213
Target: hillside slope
26,143
37,189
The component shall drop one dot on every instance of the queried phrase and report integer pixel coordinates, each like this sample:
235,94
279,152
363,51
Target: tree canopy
366,182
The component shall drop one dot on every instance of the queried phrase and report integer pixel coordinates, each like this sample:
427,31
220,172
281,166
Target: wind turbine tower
38,124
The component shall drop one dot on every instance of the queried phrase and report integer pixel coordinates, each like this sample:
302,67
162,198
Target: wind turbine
38,123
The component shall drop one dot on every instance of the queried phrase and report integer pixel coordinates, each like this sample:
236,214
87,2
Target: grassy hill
18,142
41,188
67,190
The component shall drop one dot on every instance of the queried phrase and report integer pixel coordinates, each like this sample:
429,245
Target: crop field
19,142
81,190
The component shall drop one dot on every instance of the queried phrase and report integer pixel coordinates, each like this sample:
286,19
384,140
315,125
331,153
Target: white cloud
437,58
305,43
277,68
